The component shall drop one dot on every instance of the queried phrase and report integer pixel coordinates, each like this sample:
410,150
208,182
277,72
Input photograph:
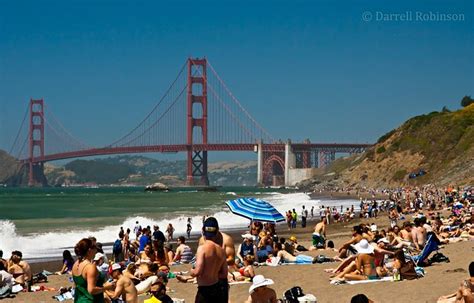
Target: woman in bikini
147,257
365,268
244,272
89,284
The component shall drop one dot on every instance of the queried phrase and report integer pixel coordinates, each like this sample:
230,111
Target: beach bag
438,258
322,259
407,271
39,278
292,294
117,248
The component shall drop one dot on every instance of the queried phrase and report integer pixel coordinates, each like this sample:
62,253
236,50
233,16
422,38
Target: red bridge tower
36,141
197,94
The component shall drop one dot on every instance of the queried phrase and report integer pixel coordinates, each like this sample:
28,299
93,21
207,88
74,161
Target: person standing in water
189,228
170,231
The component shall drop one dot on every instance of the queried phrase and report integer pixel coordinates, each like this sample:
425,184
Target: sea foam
45,245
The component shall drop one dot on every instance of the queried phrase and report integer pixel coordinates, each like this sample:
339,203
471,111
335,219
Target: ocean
42,222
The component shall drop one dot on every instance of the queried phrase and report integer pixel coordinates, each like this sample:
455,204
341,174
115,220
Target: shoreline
312,278
46,257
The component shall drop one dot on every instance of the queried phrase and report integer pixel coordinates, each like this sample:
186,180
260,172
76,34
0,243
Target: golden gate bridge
197,114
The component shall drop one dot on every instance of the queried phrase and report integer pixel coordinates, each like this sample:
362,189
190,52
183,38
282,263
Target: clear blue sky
303,69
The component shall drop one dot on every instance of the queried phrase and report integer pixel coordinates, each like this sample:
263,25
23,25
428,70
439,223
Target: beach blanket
384,279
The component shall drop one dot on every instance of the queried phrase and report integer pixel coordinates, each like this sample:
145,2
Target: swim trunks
318,240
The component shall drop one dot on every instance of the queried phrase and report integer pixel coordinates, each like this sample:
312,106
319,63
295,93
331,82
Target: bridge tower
197,94
36,143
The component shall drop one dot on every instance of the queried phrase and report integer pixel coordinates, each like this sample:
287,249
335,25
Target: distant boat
156,187
199,188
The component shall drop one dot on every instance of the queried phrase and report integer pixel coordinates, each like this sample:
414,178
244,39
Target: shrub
381,149
386,136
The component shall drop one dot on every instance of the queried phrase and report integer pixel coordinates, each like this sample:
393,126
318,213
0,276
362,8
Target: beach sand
440,279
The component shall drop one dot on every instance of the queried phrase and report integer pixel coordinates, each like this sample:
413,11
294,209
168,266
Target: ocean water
43,222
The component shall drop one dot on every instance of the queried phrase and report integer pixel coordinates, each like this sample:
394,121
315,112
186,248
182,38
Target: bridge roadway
273,147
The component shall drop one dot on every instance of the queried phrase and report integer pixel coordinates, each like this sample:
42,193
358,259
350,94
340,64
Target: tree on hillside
467,100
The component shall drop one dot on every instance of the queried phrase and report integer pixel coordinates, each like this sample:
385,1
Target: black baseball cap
210,227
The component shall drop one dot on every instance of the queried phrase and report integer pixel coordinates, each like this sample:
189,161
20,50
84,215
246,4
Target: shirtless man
125,287
356,237
319,235
20,269
227,244
418,234
406,232
211,266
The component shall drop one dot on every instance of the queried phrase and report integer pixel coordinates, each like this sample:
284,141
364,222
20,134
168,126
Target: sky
329,71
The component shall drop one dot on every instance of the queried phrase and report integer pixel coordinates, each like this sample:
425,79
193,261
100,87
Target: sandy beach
440,279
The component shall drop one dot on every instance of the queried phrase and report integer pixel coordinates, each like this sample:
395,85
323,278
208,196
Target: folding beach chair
432,244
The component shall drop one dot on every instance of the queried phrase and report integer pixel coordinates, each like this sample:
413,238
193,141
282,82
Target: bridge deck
275,147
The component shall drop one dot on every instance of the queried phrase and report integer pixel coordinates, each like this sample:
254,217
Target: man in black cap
211,266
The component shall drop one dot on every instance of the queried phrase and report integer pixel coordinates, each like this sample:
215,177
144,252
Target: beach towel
384,279
145,286
17,288
273,261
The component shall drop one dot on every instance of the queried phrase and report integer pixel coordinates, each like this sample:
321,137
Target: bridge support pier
260,163
36,174
290,161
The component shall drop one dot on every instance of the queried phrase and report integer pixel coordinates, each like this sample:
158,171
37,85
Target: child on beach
170,231
68,262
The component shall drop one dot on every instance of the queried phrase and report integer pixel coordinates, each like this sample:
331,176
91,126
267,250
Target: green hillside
139,170
439,143
8,167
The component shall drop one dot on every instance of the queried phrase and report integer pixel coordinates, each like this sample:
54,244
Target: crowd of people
142,261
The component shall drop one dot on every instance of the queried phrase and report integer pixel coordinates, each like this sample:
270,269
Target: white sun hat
98,256
116,266
363,247
248,236
259,281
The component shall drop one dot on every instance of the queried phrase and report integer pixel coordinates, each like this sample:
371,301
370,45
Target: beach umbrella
255,210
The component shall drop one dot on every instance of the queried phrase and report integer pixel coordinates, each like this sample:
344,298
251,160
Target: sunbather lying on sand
465,292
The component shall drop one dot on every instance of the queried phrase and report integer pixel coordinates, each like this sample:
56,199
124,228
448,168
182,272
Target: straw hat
259,281
363,247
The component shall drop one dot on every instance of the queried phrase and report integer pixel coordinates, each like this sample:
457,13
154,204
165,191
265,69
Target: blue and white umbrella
255,210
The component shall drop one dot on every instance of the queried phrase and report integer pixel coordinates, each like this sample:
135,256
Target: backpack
292,294
117,248
407,271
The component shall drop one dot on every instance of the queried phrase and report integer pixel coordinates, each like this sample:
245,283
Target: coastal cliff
435,148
